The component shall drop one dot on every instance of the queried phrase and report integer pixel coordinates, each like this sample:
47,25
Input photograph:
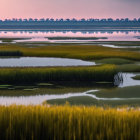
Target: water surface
41,35
42,61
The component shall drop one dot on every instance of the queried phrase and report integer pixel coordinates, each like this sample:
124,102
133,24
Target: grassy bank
136,77
85,52
32,75
129,68
116,61
68,123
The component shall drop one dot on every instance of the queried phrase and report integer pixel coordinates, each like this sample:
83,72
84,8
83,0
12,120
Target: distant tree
126,19
73,19
134,19
42,19
97,20
117,20
110,19
91,19
51,19
103,20
47,19
25,20
67,19
83,19
30,19
122,19
36,19
20,20
61,19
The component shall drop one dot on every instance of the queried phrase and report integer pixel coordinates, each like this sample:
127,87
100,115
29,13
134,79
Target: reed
68,123
46,74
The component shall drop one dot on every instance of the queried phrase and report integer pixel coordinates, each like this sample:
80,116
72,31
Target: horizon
55,19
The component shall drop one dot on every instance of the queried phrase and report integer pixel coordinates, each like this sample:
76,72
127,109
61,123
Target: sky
69,9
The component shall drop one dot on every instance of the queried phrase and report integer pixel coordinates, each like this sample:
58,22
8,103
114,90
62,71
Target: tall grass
32,75
68,123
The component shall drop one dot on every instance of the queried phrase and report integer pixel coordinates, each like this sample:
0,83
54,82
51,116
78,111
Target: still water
42,62
41,35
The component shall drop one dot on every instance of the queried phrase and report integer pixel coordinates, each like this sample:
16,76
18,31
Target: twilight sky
69,9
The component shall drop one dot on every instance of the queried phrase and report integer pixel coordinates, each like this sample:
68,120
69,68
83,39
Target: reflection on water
128,80
40,62
112,35
38,99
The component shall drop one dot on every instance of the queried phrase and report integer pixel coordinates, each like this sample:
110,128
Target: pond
42,62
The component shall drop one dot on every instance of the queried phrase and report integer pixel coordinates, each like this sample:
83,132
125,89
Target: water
42,61
39,99
115,46
128,80
41,35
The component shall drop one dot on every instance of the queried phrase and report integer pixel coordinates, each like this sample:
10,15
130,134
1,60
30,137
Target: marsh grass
84,52
117,61
47,74
69,123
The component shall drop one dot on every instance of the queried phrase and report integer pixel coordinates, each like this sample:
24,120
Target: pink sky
69,9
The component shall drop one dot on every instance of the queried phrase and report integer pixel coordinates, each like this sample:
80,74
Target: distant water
40,35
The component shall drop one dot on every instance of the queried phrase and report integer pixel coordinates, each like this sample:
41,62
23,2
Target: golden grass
68,123
85,52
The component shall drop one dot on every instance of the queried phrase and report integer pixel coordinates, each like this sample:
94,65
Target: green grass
125,92
108,93
36,75
129,68
68,123
117,61
137,77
